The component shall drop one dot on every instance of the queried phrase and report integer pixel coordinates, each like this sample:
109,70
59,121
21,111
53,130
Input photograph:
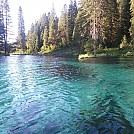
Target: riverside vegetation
90,27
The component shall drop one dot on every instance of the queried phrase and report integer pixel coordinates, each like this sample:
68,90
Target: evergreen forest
87,26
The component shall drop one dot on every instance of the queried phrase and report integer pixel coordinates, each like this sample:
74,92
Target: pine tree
75,9
43,22
132,23
21,30
45,40
8,22
63,26
125,17
53,27
88,21
2,32
31,40
4,7
72,13
37,37
109,24
80,32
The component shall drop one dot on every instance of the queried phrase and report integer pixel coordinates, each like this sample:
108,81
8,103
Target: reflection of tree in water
106,118
102,60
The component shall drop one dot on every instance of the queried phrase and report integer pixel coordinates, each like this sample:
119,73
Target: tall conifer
21,30
63,26
125,17
2,32
53,27
72,13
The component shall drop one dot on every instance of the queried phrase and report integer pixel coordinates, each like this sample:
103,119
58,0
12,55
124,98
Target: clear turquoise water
47,95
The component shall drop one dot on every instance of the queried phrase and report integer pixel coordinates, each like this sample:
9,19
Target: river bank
109,52
75,52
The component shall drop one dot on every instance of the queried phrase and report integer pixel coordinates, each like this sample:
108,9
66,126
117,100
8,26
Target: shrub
124,42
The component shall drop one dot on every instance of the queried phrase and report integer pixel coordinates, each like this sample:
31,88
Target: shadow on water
111,60
106,118
102,60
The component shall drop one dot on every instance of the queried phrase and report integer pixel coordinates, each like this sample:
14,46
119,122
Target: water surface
49,95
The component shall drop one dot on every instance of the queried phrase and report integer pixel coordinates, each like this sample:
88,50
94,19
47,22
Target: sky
32,10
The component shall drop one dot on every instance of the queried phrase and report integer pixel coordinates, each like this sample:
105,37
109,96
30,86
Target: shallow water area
52,95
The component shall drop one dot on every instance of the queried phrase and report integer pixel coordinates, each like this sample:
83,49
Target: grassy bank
64,52
107,52
127,51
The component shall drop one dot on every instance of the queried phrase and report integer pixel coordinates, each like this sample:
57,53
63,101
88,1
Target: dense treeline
94,24
50,32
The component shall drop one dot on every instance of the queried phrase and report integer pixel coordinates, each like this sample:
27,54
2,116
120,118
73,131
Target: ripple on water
56,95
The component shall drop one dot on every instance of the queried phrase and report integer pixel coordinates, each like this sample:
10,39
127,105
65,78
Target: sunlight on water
48,95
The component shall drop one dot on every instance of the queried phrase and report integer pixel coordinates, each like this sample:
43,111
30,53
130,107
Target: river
51,95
